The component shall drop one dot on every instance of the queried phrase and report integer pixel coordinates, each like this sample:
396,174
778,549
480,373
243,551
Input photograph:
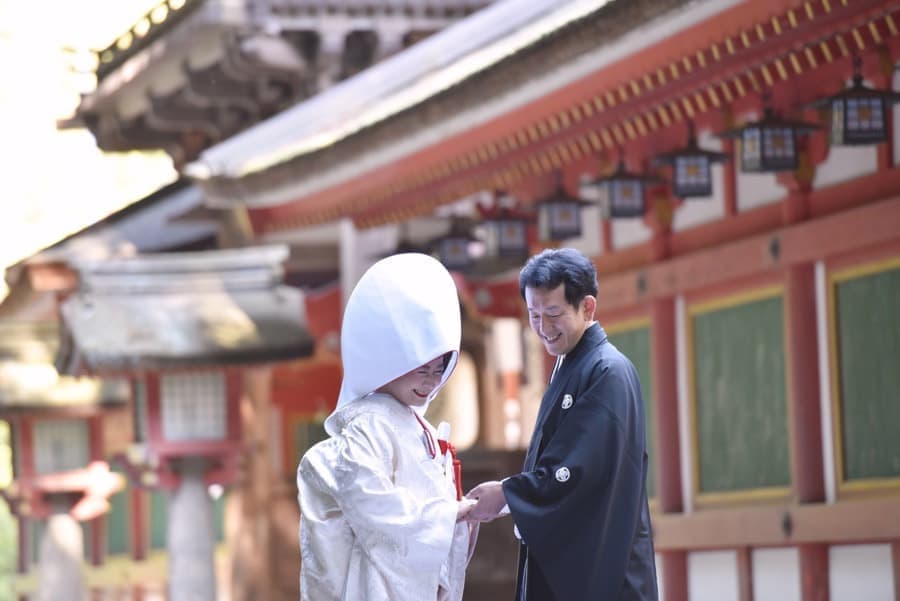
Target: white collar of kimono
403,313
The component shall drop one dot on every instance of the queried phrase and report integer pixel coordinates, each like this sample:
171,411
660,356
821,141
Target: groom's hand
490,499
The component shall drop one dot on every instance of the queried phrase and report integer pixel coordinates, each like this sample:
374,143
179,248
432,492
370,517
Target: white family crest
562,474
567,401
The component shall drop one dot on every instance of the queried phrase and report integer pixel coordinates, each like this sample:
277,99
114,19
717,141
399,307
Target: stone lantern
183,327
61,483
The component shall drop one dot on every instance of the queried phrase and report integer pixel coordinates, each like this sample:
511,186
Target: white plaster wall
376,242
776,574
590,241
695,211
756,189
712,576
507,347
629,232
860,573
846,163
896,87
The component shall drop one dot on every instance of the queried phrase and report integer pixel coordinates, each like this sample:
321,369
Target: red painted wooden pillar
666,437
97,540
665,405
803,374
745,574
24,447
24,559
806,431
137,500
606,235
814,572
895,559
883,80
729,177
803,384
664,369
97,530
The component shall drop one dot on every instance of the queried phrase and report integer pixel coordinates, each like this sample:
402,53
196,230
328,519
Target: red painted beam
752,257
846,522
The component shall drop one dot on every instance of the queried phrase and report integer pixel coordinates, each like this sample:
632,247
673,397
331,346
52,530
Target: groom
580,503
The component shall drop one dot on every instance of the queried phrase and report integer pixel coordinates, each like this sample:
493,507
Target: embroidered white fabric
379,514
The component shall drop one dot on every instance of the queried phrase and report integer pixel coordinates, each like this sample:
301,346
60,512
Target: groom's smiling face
558,324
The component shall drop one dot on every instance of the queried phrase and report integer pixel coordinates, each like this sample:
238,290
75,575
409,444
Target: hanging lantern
858,114
769,145
510,234
620,194
507,228
454,249
691,168
559,216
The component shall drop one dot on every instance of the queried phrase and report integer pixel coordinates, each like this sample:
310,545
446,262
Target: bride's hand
463,509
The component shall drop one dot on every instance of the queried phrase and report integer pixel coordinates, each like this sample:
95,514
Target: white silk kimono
377,500
379,513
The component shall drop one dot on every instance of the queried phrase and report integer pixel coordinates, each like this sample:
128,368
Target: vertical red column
137,500
745,574
803,368
807,473
665,405
23,465
729,176
884,80
806,430
895,559
97,530
814,573
666,437
24,559
803,383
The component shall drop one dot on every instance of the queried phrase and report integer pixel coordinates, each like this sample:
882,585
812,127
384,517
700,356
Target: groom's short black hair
554,266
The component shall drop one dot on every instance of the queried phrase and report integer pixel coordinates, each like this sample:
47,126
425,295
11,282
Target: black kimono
580,503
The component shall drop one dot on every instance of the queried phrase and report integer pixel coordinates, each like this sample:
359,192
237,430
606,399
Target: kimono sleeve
392,522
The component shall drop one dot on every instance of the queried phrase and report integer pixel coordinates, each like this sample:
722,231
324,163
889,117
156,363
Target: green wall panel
117,523
741,400
635,344
868,327
159,516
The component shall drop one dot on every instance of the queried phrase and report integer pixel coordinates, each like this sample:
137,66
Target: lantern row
858,116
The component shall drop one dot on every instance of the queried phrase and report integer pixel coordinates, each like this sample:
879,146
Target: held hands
463,508
490,501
